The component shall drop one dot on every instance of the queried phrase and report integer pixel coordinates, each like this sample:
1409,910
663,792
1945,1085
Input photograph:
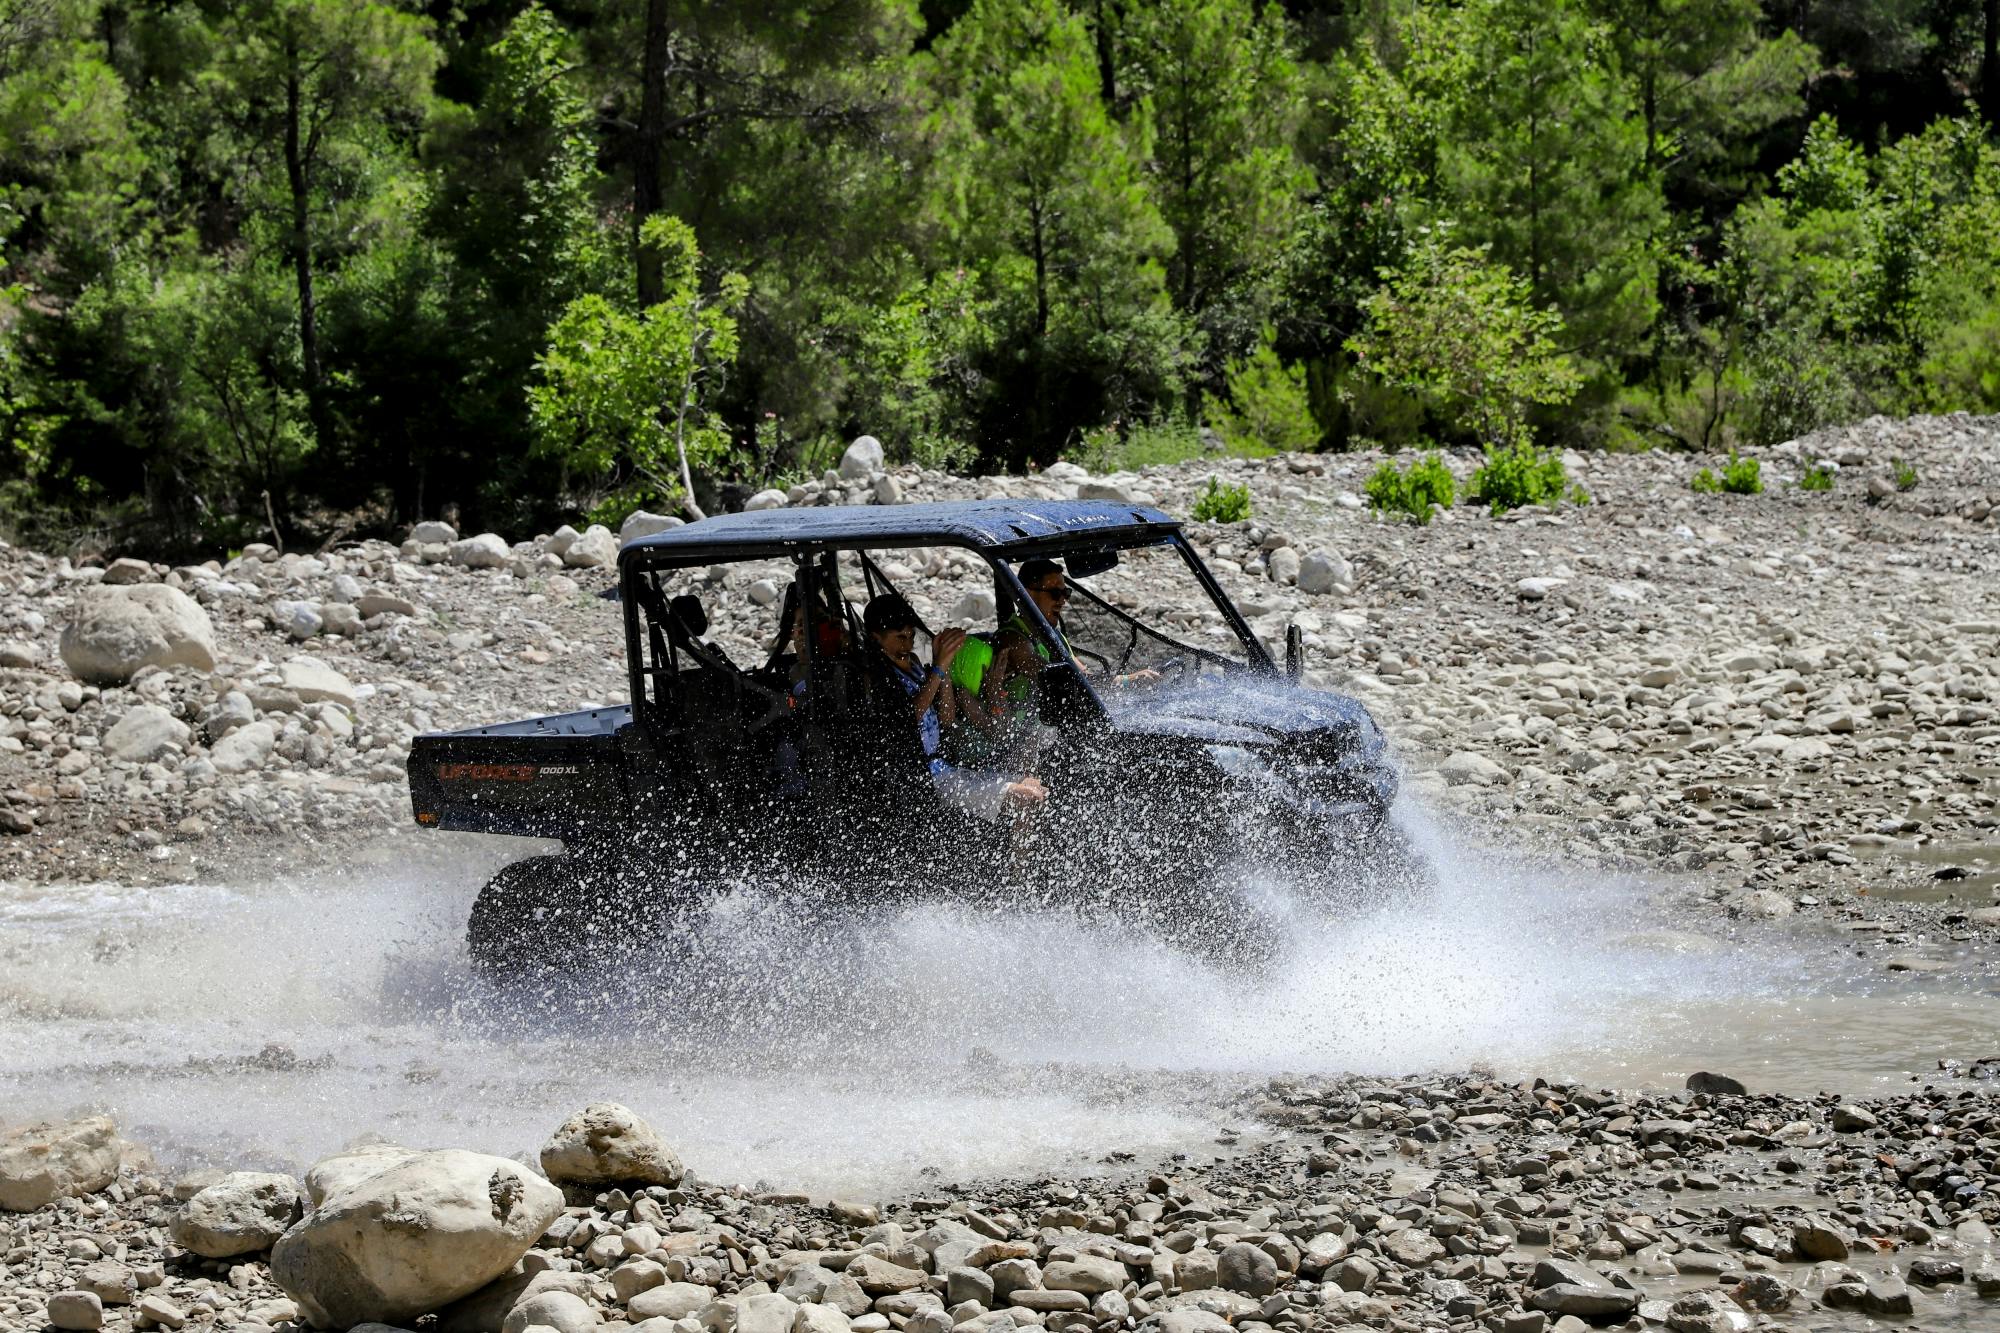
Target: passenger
892,625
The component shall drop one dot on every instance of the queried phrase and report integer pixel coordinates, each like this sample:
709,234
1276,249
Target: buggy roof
987,524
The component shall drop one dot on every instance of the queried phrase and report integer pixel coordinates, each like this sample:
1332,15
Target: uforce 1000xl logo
503,772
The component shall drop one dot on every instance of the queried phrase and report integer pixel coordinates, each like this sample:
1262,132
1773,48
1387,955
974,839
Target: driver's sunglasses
1059,593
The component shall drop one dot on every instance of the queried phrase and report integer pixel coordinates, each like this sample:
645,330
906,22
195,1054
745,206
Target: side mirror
1295,654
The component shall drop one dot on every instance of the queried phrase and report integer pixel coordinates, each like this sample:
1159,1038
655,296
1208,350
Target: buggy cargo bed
544,777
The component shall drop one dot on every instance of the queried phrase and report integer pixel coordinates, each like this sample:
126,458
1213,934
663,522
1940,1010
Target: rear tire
557,914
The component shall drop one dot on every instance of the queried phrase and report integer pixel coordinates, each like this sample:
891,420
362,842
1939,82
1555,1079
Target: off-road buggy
757,750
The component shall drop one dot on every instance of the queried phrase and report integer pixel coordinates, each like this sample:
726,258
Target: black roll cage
652,647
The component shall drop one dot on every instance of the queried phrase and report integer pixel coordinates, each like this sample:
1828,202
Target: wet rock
1816,1238
1565,1287
243,1213
608,1144
1936,1271
1715,1085
41,1163
1707,1312
1882,1295
1849,1119
1764,1293
113,632
413,1237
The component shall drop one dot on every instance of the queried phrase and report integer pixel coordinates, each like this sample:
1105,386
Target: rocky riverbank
1426,1203
1794,694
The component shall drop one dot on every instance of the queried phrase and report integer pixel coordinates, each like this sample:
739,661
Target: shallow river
920,1045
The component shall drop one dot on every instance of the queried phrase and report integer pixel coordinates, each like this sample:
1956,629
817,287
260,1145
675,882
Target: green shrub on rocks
1413,490
1222,504
1519,475
1740,476
1904,473
1817,477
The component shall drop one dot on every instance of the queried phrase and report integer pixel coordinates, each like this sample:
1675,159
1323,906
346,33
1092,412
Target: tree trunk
296,174
1107,56
1989,64
650,148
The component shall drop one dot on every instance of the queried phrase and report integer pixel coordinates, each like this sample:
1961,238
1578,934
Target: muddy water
269,1022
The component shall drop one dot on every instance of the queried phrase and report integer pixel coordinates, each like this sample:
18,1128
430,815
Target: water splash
271,1022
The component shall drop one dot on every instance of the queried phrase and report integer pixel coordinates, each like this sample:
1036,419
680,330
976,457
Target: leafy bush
1461,332
1817,477
1519,475
1905,475
1412,490
1742,476
1222,504
1267,405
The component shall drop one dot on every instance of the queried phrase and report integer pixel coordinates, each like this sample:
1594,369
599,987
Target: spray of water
271,1022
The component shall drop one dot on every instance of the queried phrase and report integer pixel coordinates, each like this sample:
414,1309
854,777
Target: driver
1020,652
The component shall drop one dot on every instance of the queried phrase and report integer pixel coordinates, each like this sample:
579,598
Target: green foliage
1222,504
1412,491
626,398
1226,98
1042,188
1816,477
319,247
1740,476
1904,474
1267,408
1518,475
1460,332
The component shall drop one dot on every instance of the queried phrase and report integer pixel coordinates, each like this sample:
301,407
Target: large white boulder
607,1144
862,459
245,748
762,500
146,732
41,1163
112,632
642,524
413,1237
596,548
433,533
316,682
243,1213
335,1174
489,550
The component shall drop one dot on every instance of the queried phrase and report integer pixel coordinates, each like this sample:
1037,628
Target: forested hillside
339,264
